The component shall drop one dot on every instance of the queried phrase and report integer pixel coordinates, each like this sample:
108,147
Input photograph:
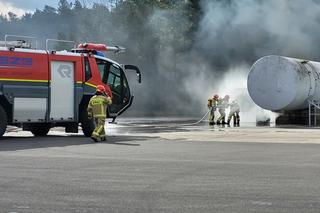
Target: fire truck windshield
103,69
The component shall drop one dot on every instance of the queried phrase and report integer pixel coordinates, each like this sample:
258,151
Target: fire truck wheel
3,121
86,124
40,129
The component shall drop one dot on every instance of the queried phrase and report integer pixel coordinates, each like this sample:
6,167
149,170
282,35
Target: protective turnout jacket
212,103
223,104
98,105
234,107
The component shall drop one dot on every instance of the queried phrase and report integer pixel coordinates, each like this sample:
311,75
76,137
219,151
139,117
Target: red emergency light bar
91,46
100,47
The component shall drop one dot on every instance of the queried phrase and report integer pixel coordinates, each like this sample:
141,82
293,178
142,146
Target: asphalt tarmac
147,167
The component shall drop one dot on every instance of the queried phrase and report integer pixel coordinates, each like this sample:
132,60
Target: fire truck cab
40,89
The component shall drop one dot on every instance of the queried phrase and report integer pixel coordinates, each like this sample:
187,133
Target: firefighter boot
219,120
103,135
238,120
103,138
94,137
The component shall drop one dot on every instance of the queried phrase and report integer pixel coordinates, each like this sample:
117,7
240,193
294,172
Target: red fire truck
40,89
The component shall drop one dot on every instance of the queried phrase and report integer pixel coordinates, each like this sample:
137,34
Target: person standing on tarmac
212,105
223,104
97,108
234,113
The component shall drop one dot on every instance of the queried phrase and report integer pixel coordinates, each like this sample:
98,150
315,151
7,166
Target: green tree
64,8
49,10
12,16
77,6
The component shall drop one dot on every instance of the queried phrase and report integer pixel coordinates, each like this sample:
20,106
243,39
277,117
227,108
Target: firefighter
212,105
223,104
97,110
234,113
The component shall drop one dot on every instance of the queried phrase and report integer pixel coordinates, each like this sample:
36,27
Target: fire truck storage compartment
30,109
62,91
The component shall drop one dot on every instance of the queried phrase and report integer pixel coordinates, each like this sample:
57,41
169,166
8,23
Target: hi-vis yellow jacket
212,103
98,105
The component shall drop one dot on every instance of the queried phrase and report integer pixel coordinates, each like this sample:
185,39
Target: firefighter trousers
222,116
99,133
236,117
211,115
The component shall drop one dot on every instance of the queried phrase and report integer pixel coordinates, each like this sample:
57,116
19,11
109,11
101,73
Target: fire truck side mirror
132,67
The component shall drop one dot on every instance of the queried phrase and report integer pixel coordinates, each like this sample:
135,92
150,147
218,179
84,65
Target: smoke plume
234,34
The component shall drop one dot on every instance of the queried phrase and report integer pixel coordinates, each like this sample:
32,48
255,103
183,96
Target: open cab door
122,97
114,75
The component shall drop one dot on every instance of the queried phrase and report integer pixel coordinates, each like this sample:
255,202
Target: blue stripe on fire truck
11,62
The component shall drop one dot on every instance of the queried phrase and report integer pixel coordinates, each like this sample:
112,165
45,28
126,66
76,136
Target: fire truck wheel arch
86,124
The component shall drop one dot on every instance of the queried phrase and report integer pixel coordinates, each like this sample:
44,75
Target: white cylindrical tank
280,83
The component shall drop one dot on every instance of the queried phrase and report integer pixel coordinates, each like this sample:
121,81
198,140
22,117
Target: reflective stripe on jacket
97,106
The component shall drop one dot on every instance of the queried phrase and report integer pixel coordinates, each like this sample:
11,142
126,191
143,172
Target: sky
20,7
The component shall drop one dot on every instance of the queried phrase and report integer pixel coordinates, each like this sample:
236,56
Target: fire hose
15,129
195,123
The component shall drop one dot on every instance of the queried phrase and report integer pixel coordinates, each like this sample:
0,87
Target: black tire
86,124
40,129
3,121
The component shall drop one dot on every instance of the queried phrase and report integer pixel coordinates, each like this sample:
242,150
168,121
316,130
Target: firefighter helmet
227,97
101,89
215,96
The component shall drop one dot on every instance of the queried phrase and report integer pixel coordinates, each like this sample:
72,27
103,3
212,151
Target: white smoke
233,34
245,30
